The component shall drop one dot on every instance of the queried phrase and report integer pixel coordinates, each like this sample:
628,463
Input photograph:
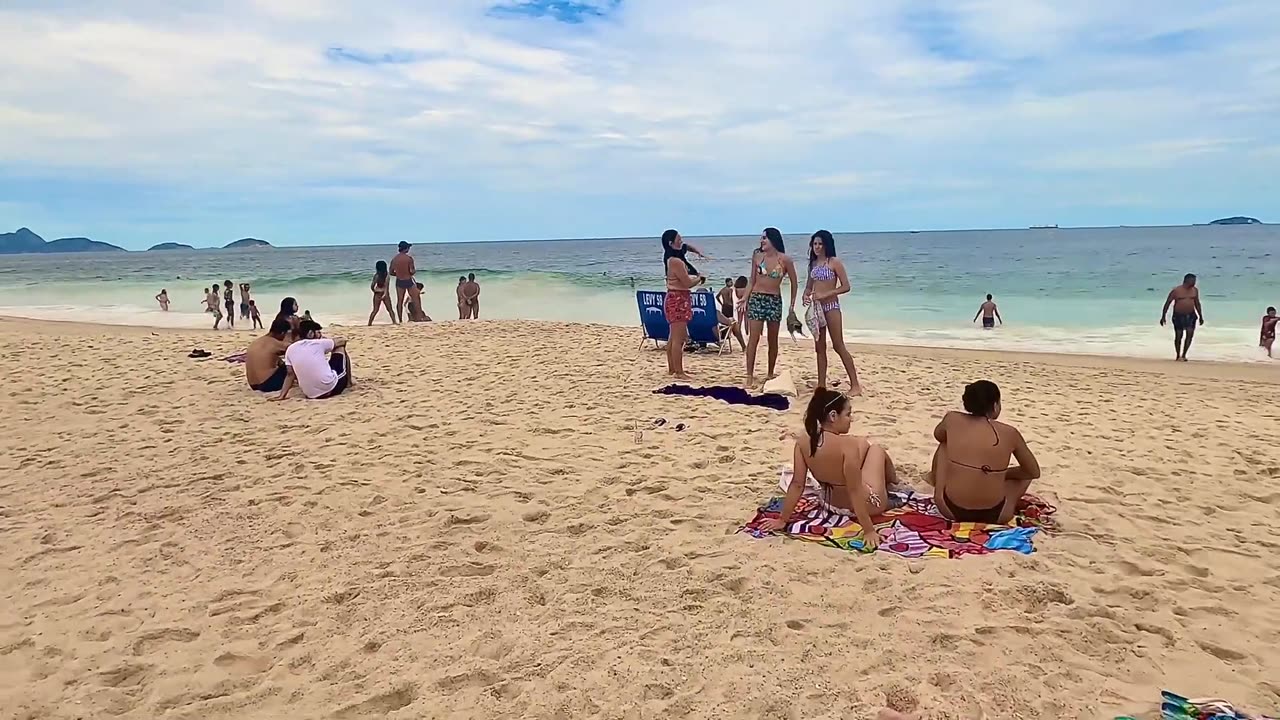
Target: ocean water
1085,290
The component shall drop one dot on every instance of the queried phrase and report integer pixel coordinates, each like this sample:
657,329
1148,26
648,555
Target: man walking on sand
990,314
1185,300
403,268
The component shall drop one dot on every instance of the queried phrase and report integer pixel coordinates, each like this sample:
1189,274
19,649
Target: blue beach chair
653,318
705,327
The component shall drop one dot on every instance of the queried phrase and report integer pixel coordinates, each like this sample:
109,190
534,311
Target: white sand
475,532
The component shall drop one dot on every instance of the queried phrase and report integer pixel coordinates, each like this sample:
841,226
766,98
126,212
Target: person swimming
973,476
852,473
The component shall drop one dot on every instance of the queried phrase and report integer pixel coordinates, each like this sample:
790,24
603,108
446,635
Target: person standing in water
828,280
764,298
229,302
163,299
403,267
462,304
990,314
213,300
1185,299
471,296
381,294
678,307
1268,336
245,298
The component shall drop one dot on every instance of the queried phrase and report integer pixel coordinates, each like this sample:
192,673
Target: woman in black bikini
381,298
973,477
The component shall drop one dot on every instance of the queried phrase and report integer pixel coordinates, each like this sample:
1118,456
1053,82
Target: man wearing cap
403,268
308,367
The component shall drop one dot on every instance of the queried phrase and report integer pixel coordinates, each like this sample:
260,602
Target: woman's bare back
978,453
831,465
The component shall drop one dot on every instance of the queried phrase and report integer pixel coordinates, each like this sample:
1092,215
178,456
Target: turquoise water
1062,290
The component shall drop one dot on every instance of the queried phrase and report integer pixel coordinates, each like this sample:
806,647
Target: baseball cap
404,246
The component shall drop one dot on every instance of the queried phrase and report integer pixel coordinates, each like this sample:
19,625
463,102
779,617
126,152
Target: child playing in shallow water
253,315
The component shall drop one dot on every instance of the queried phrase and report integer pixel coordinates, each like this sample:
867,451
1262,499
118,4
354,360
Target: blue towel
1016,539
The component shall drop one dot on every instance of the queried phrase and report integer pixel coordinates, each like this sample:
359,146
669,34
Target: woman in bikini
973,477
853,474
679,303
827,281
764,298
381,298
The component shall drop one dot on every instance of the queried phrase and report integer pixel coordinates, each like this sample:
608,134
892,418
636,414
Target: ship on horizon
1044,227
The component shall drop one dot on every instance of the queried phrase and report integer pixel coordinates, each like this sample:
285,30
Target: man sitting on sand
319,377
263,359
973,477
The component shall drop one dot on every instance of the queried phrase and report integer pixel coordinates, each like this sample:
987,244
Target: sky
308,122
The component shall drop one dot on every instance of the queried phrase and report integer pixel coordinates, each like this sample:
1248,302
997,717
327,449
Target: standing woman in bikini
764,298
679,303
381,298
973,476
827,281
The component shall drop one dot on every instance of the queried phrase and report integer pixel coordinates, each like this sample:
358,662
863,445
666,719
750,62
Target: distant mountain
170,246
25,241
247,243
1237,220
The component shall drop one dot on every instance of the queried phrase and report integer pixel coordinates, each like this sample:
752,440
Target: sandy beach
477,531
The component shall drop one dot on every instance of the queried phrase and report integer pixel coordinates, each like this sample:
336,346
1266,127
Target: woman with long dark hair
378,286
289,313
974,476
679,303
827,281
853,475
764,298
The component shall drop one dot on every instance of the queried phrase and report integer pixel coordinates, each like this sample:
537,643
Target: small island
247,243
25,241
170,246
1237,220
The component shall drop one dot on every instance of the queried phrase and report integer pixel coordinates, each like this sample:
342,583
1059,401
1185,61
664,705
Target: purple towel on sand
731,395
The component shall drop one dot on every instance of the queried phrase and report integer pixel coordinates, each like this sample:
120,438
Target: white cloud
715,97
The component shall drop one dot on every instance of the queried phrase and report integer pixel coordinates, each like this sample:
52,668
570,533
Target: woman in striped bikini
827,281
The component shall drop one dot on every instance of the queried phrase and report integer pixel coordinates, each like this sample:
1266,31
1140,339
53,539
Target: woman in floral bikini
769,266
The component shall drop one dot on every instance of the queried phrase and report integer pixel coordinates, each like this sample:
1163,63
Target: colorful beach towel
912,528
1176,707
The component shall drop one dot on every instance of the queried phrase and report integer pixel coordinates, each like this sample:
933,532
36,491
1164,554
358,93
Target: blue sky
326,121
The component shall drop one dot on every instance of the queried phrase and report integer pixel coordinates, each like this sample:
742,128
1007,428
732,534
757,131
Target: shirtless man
1185,300
471,296
990,314
403,268
264,358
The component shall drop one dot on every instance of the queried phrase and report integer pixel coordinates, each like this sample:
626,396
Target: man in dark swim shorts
403,267
1187,312
263,359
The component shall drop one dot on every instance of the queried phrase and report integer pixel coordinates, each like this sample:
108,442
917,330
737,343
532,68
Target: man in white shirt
307,365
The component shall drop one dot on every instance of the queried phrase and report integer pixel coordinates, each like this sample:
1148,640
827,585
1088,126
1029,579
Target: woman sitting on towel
852,473
973,476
